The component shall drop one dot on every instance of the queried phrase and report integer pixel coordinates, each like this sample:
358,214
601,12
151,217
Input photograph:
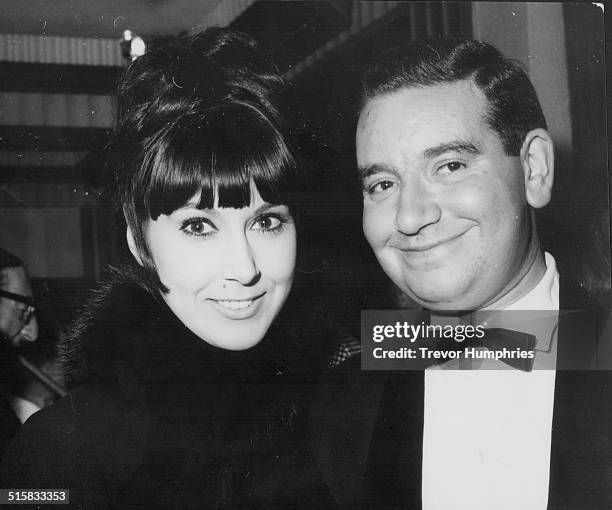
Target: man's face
445,208
13,314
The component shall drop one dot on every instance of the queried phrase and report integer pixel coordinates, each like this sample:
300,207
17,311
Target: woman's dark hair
197,115
513,106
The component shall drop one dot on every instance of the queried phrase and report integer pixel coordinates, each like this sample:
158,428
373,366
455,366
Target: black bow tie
498,339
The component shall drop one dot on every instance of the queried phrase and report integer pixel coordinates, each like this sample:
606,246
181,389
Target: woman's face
228,271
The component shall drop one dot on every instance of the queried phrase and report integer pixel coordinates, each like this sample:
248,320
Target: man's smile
409,245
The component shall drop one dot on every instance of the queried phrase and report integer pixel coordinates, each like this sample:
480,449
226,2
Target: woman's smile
239,308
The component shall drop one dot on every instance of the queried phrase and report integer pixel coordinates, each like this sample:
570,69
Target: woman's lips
235,305
238,308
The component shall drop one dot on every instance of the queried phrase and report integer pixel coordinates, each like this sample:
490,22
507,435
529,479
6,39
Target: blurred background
59,65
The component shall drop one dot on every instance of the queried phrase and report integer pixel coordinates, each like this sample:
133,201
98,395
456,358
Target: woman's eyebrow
460,146
265,207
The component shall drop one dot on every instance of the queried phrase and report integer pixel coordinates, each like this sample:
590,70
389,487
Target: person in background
191,365
18,327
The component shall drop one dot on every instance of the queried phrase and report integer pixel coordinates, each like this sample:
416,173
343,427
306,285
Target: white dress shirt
22,407
487,433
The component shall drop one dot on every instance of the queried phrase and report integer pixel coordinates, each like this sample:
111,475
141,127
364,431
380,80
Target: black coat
160,419
367,428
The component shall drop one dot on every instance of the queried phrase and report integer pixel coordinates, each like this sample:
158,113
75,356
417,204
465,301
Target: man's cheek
368,228
473,199
378,224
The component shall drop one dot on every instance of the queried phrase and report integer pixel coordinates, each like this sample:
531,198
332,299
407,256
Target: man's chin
441,296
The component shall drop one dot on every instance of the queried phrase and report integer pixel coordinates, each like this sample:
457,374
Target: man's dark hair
197,115
513,106
7,261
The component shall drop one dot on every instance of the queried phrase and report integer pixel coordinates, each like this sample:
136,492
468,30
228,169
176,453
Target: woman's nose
241,265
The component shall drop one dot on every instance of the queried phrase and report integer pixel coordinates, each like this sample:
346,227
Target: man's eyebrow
373,169
454,146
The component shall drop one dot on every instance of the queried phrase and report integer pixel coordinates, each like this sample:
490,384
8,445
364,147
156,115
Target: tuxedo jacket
367,428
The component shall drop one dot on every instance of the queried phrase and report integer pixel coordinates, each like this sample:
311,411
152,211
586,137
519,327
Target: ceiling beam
58,78
67,174
15,138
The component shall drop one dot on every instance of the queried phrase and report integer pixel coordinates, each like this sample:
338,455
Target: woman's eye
197,227
268,222
452,167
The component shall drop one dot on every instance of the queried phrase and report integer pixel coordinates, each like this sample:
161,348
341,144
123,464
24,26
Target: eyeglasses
27,311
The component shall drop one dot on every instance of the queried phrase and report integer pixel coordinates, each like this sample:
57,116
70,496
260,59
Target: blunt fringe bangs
513,106
216,156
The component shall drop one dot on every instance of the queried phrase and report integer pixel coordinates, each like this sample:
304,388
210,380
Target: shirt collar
545,295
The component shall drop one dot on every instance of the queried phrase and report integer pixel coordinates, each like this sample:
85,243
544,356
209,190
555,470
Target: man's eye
452,167
197,227
379,187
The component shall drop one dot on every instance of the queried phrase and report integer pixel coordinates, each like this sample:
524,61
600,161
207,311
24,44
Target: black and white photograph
286,254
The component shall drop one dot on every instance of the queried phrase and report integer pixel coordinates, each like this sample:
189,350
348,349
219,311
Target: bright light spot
137,48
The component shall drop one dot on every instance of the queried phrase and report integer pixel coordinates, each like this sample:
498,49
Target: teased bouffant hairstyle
197,116
513,106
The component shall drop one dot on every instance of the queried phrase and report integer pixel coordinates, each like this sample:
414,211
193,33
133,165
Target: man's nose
241,265
417,207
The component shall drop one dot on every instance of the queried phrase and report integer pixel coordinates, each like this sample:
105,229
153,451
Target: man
18,327
454,158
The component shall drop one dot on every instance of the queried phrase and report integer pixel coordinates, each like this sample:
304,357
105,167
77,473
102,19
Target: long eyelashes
198,226
268,223
272,223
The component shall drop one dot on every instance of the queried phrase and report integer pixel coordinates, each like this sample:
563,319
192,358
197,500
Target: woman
188,388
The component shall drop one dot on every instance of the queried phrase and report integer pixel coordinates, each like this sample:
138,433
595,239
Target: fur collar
125,335
102,342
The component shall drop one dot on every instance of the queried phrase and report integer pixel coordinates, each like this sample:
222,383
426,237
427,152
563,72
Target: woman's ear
132,245
538,162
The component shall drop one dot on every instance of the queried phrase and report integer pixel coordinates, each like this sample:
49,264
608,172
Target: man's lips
408,245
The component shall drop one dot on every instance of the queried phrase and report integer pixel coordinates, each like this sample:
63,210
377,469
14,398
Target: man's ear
132,245
538,162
